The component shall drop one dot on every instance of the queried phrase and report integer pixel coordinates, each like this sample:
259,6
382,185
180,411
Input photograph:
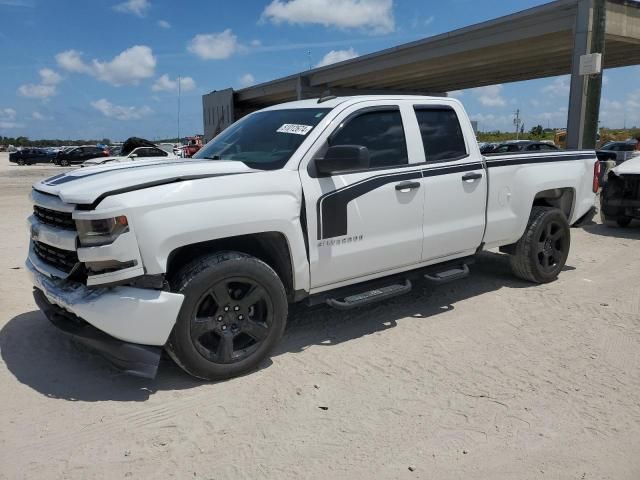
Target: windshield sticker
295,129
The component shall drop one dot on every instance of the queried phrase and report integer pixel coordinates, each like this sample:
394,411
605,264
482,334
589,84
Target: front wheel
233,315
64,163
21,162
542,251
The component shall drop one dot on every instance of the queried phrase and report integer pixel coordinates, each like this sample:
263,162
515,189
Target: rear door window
441,133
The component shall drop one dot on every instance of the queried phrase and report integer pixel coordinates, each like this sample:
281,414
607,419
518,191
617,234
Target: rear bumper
135,359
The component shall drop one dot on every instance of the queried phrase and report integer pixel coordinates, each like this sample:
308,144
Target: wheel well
561,198
270,247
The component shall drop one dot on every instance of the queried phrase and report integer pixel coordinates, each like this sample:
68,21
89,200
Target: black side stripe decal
499,162
331,209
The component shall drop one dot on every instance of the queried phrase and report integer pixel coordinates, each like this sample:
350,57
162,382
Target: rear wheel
542,251
234,313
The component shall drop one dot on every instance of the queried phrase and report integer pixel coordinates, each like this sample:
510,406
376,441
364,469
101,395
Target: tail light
596,176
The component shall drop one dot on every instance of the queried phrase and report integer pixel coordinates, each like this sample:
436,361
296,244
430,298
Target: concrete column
584,97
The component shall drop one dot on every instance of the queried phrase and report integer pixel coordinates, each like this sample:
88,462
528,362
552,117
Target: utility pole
179,92
309,58
516,122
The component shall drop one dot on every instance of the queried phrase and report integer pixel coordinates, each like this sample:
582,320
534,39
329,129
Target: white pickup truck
342,201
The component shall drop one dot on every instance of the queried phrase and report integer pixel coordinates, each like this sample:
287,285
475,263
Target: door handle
470,177
406,186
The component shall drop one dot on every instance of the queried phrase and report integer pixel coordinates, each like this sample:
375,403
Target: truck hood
86,185
103,160
630,167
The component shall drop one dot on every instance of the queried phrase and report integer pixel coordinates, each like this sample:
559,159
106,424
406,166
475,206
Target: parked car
193,144
618,151
620,196
321,201
77,155
133,149
29,156
522,146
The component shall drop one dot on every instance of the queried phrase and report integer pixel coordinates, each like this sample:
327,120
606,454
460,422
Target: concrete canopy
534,43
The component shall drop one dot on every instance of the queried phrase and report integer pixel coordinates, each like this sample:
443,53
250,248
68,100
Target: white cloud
128,67
166,84
247,80
49,77
633,100
8,125
611,104
335,56
71,60
490,96
255,43
135,7
376,15
214,46
45,89
490,121
560,86
163,24
456,93
8,114
31,90
7,117
119,112
38,116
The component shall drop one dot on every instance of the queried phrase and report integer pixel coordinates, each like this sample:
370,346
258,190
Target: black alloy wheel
552,246
231,320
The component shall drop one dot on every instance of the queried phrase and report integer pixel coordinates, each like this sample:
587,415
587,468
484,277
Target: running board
370,296
449,275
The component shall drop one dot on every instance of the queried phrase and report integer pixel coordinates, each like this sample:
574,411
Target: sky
109,68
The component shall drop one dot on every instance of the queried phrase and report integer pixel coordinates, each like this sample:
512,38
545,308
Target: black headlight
93,233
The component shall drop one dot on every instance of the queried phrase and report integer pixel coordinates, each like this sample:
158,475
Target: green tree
537,131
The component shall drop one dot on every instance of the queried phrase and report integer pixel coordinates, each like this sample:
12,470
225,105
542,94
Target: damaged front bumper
132,358
124,323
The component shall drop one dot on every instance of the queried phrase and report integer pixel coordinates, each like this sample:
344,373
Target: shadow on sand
51,363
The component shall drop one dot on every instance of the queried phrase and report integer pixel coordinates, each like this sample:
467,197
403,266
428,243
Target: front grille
54,218
63,260
631,187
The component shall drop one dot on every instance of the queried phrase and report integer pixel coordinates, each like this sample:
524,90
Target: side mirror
342,159
133,155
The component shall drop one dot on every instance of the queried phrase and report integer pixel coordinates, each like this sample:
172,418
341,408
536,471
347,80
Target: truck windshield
264,140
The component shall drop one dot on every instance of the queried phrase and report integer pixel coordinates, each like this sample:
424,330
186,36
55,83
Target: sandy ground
487,378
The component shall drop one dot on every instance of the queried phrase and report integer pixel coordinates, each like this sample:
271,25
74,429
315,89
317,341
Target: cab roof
335,101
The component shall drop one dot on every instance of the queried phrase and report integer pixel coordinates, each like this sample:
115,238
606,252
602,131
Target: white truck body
338,230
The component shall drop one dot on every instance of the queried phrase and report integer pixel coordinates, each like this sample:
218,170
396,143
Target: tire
542,251
218,315
21,162
64,163
623,222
